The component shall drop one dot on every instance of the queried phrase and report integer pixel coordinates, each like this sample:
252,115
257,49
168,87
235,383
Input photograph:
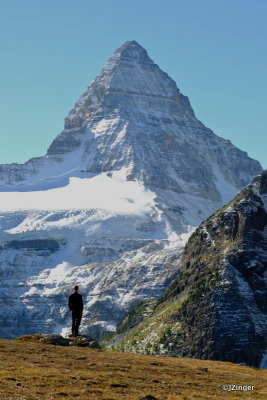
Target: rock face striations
217,306
111,203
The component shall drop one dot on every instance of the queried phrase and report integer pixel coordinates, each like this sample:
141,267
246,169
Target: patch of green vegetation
205,257
155,348
238,197
170,289
227,205
153,330
182,278
121,346
183,397
201,288
148,347
107,336
134,316
165,334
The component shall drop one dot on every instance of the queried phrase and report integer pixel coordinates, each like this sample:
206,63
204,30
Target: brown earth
31,370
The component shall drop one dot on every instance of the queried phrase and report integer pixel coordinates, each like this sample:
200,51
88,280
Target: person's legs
78,322
73,323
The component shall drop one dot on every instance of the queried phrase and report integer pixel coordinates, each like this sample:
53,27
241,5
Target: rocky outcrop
58,340
33,244
216,308
66,142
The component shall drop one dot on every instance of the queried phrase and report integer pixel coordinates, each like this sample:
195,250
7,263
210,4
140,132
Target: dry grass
32,371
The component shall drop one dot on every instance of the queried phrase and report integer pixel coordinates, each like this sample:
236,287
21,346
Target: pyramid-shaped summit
133,117
111,203
129,82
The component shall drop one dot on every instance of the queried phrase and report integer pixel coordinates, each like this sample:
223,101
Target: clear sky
215,50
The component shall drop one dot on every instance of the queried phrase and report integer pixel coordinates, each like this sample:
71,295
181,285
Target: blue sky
51,50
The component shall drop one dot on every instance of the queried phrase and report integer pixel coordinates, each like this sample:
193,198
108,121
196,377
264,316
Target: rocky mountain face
109,207
217,306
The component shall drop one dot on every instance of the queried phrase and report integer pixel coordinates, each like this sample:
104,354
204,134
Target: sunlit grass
31,371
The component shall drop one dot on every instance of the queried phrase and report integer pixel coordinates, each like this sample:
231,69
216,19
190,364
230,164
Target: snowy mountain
111,204
217,306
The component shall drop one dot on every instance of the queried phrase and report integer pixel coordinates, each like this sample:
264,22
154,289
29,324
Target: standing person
76,307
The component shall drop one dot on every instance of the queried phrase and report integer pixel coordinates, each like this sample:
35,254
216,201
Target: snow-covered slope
117,193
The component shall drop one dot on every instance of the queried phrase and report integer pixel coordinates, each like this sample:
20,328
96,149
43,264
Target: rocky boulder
58,340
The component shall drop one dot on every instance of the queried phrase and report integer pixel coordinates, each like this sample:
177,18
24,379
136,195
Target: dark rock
84,341
122,385
66,142
94,344
54,339
35,244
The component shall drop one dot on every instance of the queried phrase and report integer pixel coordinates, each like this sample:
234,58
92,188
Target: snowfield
96,192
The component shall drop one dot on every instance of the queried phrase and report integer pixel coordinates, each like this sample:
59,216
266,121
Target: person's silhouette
76,307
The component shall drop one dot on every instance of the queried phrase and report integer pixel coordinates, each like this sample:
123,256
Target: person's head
76,288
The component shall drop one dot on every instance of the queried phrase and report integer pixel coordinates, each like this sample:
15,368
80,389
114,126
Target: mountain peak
130,44
131,114
122,185
133,52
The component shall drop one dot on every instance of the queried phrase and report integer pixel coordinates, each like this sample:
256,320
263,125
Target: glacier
112,203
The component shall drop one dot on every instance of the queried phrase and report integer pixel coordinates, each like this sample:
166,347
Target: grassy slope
32,371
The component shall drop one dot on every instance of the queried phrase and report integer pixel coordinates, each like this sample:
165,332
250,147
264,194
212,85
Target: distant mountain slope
217,307
109,207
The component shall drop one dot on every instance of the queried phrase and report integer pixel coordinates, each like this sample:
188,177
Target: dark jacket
75,302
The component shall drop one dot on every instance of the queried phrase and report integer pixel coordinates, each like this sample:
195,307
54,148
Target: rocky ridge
216,308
